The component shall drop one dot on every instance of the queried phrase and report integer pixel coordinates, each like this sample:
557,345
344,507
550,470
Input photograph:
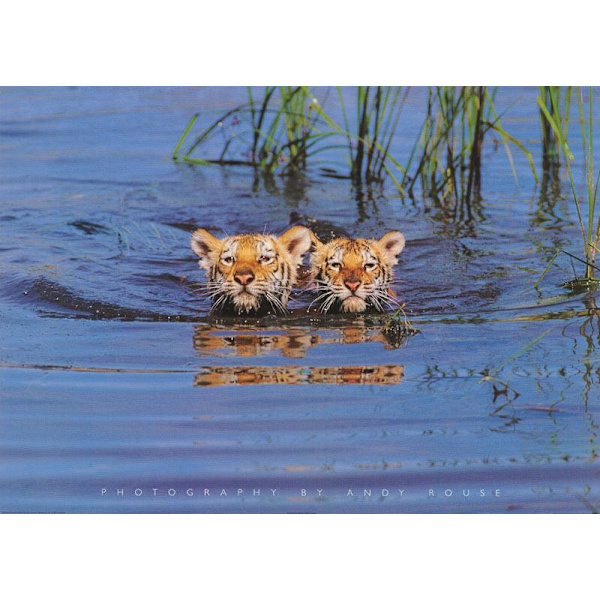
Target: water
119,393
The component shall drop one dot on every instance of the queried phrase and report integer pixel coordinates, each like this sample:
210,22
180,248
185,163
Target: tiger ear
297,241
390,245
206,246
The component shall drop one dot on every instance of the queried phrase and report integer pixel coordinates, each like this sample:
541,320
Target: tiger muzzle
352,285
244,277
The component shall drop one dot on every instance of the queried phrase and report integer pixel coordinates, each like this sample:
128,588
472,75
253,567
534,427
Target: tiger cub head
354,276
252,272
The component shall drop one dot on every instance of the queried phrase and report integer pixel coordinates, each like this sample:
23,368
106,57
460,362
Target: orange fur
251,271
355,274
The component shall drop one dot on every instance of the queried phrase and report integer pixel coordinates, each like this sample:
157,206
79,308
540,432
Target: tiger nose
244,277
352,285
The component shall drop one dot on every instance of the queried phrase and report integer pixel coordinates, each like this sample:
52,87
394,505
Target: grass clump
285,128
556,101
398,328
275,131
378,111
585,204
448,153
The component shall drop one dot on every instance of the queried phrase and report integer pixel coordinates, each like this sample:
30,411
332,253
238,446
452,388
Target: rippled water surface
119,392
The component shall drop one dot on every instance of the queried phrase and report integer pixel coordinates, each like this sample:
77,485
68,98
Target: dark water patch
324,230
103,182
89,228
187,226
16,133
52,299
80,369
56,296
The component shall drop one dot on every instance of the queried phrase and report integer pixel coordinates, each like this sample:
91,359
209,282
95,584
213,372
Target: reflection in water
545,213
299,375
366,197
291,343
522,391
294,186
590,331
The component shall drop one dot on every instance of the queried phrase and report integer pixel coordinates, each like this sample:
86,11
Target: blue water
119,394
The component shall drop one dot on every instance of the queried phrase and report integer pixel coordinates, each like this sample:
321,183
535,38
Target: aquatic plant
448,152
589,223
398,328
288,126
557,102
278,130
378,110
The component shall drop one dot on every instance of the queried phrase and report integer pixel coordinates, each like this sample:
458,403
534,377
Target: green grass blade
184,135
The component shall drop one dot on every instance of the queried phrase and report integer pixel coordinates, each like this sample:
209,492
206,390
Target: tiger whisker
328,303
275,302
384,297
377,301
384,294
221,300
320,297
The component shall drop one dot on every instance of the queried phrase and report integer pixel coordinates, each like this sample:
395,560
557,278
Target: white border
297,557
317,42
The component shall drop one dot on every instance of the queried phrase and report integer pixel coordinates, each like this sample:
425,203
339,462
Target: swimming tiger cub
252,272
354,276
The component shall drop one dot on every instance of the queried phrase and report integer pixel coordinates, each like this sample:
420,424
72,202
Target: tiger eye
265,260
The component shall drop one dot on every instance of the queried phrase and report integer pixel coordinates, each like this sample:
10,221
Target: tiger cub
252,272
354,276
